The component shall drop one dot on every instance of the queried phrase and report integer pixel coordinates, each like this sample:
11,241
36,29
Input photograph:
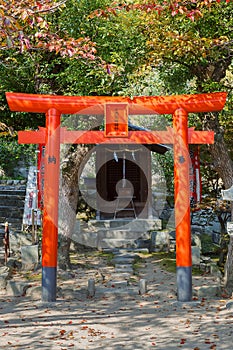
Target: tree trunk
222,162
69,193
228,270
224,167
219,152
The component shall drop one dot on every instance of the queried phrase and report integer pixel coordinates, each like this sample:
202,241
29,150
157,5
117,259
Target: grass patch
137,264
107,257
33,277
208,247
166,261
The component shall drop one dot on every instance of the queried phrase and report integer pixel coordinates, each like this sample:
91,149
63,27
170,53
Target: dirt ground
115,318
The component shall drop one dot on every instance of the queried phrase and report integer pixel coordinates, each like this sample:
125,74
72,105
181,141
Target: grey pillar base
49,284
184,283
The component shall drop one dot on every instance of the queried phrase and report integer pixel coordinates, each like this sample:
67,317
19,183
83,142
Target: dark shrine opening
133,174
120,170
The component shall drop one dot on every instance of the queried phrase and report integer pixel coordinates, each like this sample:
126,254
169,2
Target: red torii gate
180,136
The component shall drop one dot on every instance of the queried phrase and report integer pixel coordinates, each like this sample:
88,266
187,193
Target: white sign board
228,194
230,227
30,203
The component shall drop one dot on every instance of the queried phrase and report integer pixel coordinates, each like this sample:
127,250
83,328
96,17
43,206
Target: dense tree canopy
119,48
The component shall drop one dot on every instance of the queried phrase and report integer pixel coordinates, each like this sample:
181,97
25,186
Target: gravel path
116,318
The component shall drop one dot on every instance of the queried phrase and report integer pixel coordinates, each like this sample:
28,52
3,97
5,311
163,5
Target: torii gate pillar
51,198
182,206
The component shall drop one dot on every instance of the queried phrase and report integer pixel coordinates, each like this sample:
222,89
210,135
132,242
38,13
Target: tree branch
51,9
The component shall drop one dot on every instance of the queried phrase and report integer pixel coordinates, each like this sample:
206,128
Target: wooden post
6,242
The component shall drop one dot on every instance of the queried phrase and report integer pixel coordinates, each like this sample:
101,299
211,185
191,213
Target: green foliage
11,153
208,247
142,53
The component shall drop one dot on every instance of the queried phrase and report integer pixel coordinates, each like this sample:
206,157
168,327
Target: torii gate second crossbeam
116,132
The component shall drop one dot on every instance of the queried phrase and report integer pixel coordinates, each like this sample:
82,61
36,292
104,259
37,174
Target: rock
3,281
16,288
14,243
29,257
65,275
209,291
34,292
197,229
214,270
12,263
18,239
4,276
229,305
216,237
196,241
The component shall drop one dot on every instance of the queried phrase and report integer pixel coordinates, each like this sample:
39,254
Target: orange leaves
175,7
23,26
62,332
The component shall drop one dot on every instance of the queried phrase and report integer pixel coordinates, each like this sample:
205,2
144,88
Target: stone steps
105,234
120,234
111,243
11,200
12,196
123,279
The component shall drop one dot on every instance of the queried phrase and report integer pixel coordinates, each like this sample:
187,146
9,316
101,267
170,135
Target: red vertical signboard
116,120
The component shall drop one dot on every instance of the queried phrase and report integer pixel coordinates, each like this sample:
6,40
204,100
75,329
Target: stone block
118,284
122,260
123,268
160,240
196,255
122,275
142,286
89,239
29,257
91,287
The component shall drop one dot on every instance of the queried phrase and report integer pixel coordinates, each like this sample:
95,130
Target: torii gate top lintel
95,104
